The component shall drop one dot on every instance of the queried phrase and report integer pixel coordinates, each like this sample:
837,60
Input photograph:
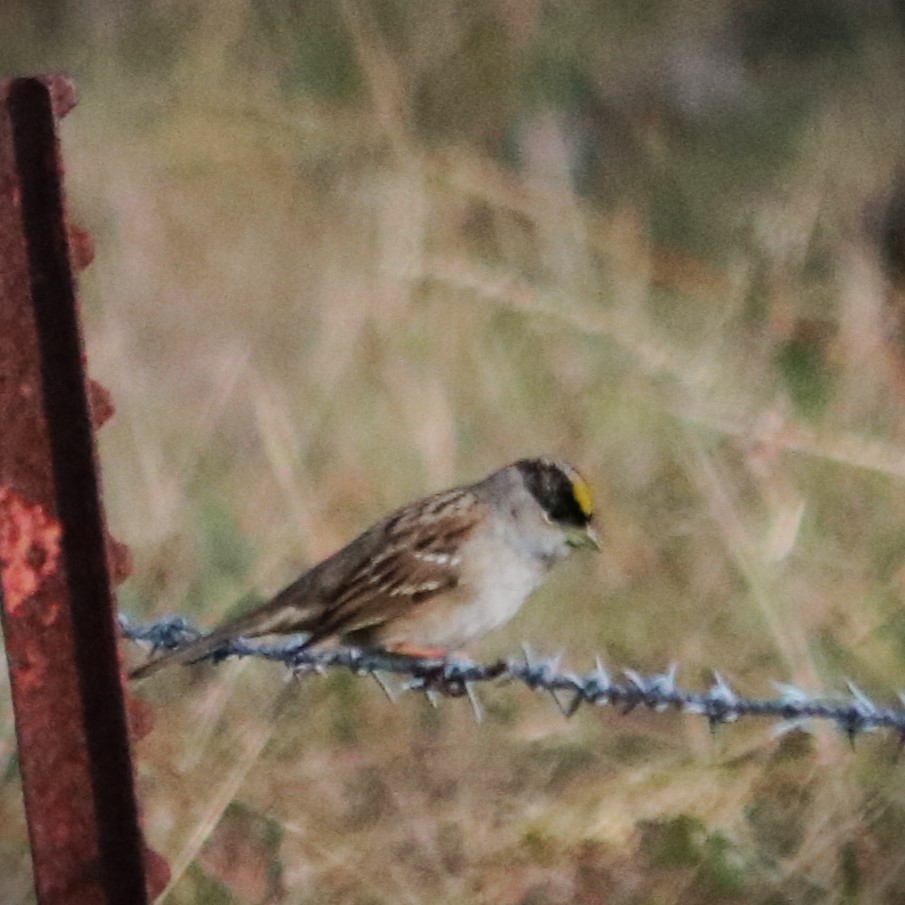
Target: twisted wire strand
853,714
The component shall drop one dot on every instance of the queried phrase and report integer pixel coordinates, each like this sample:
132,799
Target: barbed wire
853,714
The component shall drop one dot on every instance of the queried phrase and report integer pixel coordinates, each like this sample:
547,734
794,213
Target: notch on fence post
57,603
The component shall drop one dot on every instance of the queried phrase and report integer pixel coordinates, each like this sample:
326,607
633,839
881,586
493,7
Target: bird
432,576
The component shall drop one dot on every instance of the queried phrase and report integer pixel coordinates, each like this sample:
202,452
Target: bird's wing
418,558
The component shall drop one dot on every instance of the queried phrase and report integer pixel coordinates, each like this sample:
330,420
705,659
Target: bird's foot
418,652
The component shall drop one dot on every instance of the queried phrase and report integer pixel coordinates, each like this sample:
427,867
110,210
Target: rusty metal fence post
57,603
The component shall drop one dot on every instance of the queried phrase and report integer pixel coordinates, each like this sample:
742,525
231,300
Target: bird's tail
195,650
276,617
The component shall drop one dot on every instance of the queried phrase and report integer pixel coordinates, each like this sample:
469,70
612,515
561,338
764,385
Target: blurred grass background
353,252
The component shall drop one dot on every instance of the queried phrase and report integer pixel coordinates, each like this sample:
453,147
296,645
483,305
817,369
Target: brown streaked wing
418,561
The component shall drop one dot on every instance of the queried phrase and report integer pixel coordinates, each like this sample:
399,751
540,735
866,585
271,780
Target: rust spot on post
55,559
29,548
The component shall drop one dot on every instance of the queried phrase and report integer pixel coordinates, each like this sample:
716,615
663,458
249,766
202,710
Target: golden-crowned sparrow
432,575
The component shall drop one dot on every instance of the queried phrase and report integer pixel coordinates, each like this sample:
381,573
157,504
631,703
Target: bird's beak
584,538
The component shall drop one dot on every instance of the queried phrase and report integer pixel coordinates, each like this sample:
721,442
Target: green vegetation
351,252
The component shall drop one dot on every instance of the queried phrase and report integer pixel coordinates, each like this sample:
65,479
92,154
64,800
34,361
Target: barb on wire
853,713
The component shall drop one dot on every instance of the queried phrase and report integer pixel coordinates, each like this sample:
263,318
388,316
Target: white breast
490,593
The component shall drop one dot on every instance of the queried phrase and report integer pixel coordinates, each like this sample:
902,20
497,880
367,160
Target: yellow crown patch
583,494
